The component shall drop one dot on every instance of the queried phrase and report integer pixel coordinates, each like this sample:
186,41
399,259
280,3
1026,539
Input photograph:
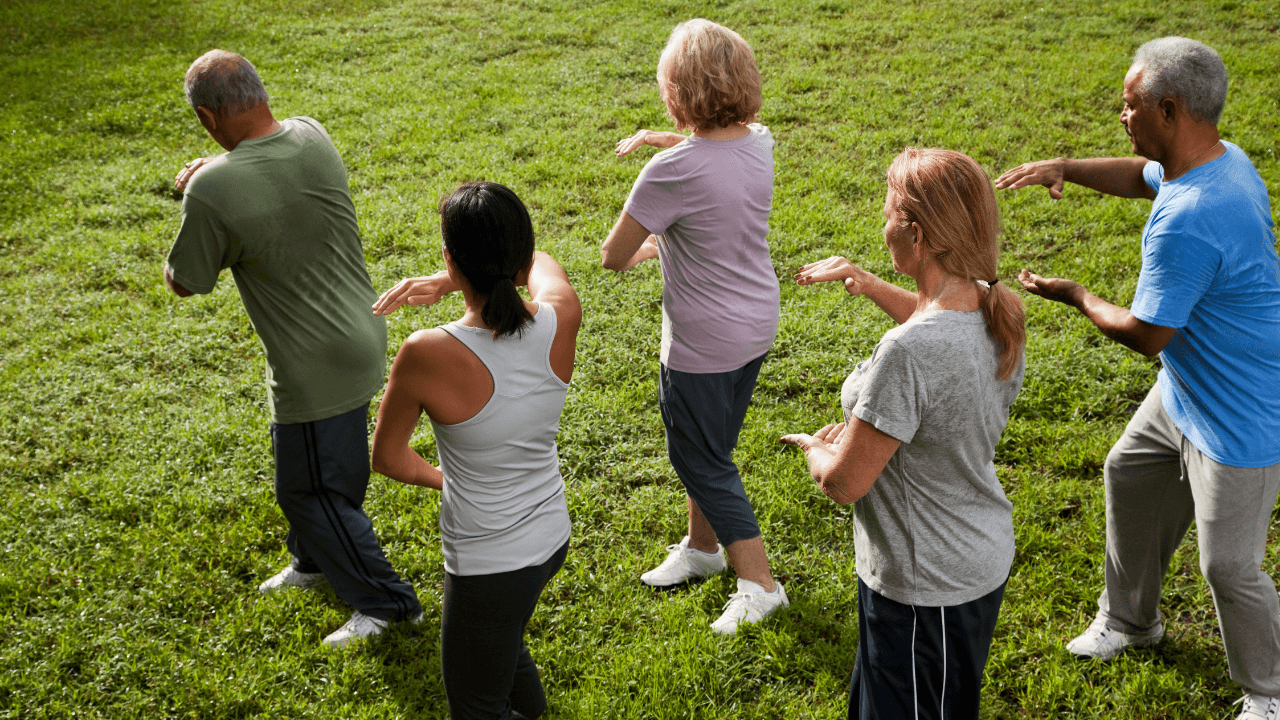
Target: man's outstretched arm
1121,177
1114,321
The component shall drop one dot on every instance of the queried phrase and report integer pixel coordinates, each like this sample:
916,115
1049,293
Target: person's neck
1197,145
252,123
939,290
733,131
473,316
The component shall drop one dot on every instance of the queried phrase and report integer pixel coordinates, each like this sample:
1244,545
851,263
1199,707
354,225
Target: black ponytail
489,235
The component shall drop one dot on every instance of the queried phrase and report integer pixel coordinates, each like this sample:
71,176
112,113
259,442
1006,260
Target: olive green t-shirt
277,210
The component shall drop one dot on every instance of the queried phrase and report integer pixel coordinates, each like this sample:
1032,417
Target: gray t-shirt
708,203
935,528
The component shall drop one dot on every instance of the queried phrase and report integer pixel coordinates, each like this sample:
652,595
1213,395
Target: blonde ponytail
1003,312
952,199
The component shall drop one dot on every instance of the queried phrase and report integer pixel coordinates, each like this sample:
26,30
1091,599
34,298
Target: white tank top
503,506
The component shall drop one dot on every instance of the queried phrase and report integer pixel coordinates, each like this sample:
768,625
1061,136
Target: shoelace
1254,704
746,598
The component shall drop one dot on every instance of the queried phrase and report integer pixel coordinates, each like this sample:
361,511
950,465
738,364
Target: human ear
207,118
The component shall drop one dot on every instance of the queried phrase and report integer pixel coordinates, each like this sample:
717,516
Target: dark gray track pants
322,472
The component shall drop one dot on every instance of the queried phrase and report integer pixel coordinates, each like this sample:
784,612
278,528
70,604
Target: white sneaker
749,605
1258,707
683,564
357,627
360,626
1101,642
288,577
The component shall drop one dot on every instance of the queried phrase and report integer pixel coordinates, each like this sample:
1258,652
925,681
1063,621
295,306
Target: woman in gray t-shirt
915,453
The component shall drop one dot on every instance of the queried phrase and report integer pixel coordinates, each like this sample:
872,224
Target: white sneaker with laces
288,577
1101,642
749,605
683,564
1258,707
357,627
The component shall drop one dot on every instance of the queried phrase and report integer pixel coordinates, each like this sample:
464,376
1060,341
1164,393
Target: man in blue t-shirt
1208,301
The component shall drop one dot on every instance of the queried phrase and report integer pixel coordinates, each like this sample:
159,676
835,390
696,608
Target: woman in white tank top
493,384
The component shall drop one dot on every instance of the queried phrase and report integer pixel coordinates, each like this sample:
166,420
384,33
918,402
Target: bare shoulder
431,349
568,311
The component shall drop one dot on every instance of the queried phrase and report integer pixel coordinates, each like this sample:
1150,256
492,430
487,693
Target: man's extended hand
1049,173
1060,290
415,291
188,171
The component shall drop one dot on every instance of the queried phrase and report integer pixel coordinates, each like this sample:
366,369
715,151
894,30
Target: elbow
379,461
1148,347
841,492
609,262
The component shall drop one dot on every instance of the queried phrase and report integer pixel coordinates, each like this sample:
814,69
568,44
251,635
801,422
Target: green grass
136,507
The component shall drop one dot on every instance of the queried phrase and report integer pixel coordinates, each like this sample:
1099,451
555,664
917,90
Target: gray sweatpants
1157,482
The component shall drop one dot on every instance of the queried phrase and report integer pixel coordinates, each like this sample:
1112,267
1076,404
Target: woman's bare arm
846,460
549,283
898,303
398,416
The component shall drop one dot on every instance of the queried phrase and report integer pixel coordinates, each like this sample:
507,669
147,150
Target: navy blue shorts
920,662
702,414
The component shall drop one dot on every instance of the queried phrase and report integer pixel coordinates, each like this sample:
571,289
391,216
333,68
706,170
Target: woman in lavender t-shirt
701,206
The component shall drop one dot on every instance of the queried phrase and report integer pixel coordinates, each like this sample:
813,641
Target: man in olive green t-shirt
277,210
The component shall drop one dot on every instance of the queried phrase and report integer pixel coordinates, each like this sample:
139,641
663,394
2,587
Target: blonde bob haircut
707,77
951,198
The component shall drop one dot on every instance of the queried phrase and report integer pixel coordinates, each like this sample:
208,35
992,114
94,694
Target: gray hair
219,79
1183,68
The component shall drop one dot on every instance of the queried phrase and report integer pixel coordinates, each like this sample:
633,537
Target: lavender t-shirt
708,203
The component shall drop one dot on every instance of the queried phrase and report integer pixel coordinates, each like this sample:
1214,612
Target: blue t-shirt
1209,268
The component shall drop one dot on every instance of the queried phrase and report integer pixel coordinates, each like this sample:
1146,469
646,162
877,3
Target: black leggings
488,671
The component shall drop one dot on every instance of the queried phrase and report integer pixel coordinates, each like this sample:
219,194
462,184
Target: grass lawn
136,506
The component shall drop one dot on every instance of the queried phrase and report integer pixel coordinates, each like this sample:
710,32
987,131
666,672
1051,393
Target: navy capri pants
702,414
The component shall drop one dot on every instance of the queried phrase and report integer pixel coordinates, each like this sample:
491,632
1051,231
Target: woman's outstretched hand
835,268
823,442
415,291
647,137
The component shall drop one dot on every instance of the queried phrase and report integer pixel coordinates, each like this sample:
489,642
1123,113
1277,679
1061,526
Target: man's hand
188,171
415,291
1049,173
1068,292
647,137
835,268
1114,321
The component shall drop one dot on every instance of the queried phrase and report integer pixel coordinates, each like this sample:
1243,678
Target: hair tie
993,283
